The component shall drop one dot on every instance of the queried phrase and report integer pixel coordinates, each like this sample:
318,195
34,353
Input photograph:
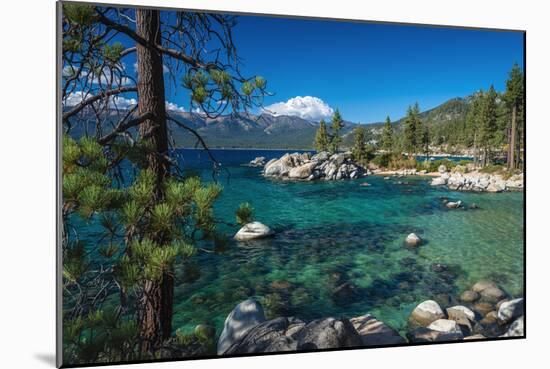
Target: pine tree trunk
511,161
155,306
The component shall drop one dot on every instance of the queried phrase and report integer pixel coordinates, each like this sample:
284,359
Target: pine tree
155,215
336,125
359,150
322,142
425,141
514,101
488,123
387,141
410,134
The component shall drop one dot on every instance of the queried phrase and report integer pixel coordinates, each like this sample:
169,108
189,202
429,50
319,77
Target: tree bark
155,306
512,149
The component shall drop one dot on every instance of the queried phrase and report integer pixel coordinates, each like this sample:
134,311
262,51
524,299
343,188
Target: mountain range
267,131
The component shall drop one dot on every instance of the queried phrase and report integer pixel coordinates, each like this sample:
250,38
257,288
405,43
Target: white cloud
306,107
75,98
122,103
174,107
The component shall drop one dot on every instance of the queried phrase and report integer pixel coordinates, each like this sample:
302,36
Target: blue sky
367,70
371,70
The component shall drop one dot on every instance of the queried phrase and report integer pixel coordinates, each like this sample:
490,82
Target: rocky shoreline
486,312
321,166
476,181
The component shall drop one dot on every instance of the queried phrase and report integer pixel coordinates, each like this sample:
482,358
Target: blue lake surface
338,249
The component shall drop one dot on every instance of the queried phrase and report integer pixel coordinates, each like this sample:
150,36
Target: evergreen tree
488,123
322,141
387,141
359,150
514,101
473,124
410,139
336,126
425,141
152,215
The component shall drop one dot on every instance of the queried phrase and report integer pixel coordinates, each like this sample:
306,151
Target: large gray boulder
274,335
252,231
425,313
423,334
510,310
302,172
327,333
244,317
438,181
516,329
375,332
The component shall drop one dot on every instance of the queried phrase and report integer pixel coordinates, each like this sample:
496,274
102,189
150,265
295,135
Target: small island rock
252,231
413,240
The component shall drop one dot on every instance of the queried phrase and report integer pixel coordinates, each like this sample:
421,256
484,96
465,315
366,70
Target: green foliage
79,14
336,126
244,214
493,169
360,151
413,129
433,165
112,52
394,161
322,141
387,141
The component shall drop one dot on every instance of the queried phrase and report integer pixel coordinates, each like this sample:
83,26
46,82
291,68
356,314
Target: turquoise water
338,249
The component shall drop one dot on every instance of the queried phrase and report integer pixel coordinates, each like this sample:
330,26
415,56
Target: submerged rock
469,296
375,332
454,205
413,240
244,317
254,230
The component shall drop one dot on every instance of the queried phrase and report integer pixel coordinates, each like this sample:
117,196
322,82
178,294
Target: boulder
321,156
453,205
483,284
327,333
442,168
483,308
425,313
275,335
257,162
492,294
423,334
510,310
449,328
302,172
375,332
252,231
490,318
469,296
244,317
516,329
438,181
413,240
459,311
